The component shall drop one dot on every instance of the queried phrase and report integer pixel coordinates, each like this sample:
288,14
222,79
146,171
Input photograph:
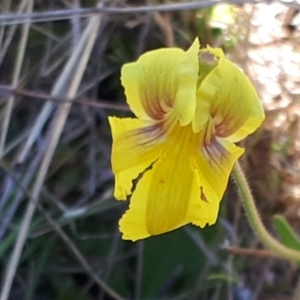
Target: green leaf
173,262
286,233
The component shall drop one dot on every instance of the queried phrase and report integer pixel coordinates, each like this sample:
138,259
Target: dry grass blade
263,253
5,9
10,33
8,90
16,76
78,65
58,90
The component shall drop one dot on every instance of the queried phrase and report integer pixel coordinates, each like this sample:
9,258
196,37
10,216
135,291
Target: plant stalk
255,220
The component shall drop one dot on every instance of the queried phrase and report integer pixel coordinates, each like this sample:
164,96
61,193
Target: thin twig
9,19
263,253
6,90
57,15
84,12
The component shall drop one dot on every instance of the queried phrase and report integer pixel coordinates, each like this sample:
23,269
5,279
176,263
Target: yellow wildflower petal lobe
214,171
133,151
231,100
162,197
171,183
130,75
151,83
199,208
208,60
162,81
185,101
218,52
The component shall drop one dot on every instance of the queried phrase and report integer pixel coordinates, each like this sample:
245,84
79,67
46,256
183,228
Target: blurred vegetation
189,263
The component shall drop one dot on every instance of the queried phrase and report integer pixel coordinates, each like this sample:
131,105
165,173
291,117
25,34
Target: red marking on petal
202,195
156,111
150,135
211,147
229,125
156,106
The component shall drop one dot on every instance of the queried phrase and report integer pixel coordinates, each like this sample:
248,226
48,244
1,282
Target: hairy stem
255,220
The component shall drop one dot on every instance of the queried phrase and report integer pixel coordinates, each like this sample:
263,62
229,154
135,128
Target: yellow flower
191,108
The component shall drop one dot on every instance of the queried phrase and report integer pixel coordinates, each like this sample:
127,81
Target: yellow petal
161,199
199,209
134,150
208,60
227,95
213,172
218,52
185,185
161,80
185,101
251,124
203,107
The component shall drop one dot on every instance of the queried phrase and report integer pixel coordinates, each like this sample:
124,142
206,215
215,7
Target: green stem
255,221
